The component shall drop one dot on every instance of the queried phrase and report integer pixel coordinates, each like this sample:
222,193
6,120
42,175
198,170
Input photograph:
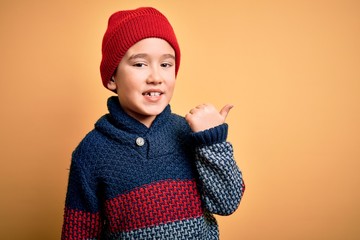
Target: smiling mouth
152,94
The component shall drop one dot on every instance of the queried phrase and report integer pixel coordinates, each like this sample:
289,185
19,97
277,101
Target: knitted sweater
128,181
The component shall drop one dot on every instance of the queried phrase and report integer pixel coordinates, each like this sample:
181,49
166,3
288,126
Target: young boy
144,172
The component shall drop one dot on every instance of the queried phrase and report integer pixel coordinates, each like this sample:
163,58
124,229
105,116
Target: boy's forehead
145,55
151,47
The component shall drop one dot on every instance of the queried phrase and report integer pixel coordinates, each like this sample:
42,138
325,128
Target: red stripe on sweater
80,225
150,205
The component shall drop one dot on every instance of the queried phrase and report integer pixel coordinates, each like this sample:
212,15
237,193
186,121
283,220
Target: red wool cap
125,28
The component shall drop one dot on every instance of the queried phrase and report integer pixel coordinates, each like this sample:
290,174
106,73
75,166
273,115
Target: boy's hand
205,116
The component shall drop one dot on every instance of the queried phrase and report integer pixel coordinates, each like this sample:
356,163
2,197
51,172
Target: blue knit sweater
128,181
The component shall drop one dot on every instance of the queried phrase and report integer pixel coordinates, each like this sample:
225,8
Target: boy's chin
155,111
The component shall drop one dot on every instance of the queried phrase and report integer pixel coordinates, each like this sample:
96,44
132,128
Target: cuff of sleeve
211,136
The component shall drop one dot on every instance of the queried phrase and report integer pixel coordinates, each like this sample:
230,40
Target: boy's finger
225,110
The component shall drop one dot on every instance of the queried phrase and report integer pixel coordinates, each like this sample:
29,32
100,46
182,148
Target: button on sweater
128,181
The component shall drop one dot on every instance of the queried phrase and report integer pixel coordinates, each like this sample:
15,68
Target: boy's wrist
211,136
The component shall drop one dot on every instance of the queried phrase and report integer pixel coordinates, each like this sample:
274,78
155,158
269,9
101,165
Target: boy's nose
154,77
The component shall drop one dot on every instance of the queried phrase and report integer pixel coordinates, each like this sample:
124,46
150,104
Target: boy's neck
145,120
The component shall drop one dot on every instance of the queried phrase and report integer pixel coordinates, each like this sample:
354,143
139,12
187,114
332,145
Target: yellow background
291,68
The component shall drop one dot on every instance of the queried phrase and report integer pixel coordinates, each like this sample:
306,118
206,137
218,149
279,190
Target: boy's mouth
152,94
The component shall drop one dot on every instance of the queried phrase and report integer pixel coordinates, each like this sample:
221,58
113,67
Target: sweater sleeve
81,215
221,182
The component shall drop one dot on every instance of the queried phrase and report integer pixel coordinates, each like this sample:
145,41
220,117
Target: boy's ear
112,84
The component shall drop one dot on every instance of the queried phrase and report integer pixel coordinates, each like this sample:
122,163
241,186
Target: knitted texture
215,172
166,188
125,28
140,208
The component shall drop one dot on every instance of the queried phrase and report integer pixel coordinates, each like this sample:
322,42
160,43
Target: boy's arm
81,215
221,182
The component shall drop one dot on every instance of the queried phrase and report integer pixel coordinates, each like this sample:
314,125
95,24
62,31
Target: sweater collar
121,120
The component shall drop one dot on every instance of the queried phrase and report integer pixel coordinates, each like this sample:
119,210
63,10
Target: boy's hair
125,28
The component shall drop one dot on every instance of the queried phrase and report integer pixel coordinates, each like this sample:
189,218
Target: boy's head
125,28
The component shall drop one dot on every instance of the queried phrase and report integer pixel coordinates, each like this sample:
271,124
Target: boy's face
145,79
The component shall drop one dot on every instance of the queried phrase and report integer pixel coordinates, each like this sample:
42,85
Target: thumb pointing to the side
225,110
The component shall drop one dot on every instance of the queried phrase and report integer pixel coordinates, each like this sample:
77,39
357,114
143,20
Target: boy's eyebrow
144,55
169,56
140,55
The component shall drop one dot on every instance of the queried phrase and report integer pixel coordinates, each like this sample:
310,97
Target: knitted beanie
125,28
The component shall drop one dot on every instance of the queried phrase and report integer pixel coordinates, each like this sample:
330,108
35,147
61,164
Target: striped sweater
128,181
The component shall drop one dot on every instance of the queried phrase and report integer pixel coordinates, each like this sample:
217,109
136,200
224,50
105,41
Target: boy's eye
166,65
139,64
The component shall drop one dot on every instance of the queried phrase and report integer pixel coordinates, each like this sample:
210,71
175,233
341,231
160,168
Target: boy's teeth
153,94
